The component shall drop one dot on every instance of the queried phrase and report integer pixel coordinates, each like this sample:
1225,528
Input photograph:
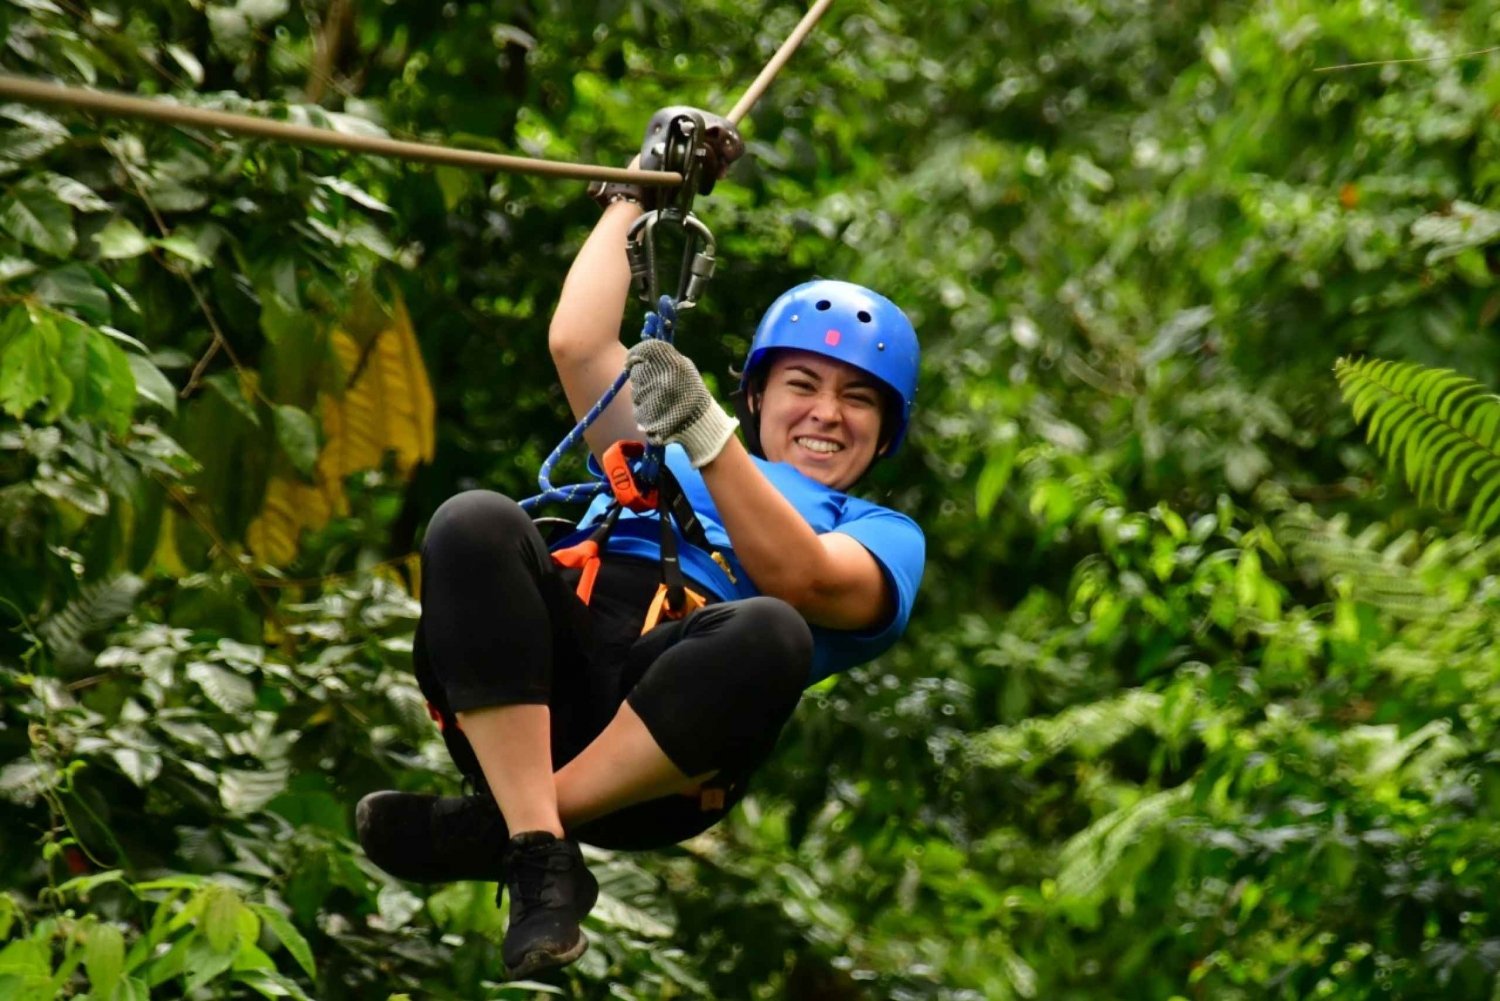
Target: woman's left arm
830,578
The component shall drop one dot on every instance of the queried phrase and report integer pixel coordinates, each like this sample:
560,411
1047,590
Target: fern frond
1088,730
1440,429
1376,570
97,606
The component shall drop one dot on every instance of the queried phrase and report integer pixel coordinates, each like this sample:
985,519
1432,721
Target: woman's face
821,416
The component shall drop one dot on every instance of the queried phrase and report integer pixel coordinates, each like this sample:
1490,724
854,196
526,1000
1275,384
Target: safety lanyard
673,599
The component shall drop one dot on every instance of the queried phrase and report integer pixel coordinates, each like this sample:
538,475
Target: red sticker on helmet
831,338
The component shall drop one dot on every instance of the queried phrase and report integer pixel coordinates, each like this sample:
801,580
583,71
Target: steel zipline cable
28,91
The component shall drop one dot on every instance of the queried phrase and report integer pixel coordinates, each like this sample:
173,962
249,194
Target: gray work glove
673,406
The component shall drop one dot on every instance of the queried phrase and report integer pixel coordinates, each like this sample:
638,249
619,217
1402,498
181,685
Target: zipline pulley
685,146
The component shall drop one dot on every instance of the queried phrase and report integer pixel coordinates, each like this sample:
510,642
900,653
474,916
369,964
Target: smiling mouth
819,445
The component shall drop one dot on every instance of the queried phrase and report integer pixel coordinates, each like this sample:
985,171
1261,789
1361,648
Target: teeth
818,445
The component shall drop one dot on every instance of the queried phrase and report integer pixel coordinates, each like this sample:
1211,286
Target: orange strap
616,462
437,718
584,554
709,796
662,609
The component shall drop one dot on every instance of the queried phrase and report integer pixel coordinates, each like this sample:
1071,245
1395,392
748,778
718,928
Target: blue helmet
848,323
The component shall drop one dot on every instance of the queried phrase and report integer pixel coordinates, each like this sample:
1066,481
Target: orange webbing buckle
622,481
586,555
662,608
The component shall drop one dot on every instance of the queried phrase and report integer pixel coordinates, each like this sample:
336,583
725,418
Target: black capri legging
501,625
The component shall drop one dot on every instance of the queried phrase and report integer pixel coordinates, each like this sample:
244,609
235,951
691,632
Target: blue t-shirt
892,538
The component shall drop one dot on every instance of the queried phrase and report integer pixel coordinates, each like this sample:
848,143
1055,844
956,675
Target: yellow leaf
166,560
387,406
289,506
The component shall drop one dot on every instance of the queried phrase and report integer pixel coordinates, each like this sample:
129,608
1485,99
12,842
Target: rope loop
660,324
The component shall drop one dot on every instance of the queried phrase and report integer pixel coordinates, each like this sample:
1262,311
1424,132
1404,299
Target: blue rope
659,325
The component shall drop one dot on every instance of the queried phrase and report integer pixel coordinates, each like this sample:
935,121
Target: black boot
551,892
433,839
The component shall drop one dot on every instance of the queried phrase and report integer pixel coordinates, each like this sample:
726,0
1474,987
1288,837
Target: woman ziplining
620,687
579,709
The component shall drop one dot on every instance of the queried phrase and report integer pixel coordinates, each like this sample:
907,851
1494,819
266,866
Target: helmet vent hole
863,316
824,304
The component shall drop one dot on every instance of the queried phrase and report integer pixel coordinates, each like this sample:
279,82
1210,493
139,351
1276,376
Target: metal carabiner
683,151
698,259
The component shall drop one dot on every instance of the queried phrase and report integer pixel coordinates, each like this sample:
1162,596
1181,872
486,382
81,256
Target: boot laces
531,872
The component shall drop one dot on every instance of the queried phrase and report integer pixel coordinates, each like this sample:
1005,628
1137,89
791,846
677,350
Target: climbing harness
635,474
637,478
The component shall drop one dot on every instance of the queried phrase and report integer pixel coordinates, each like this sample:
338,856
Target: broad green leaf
131,989
463,908
75,193
1248,578
992,481
297,434
172,196
34,118
103,383
205,964
262,12
39,219
228,385
12,268
120,239
225,689
397,906
104,958
23,780
21,146
26,957
615,913
29,372
354,193
286,932
64,486
187,61
120,337
243,791
151,385
185,248
72,287
251,957
82,886
139,766
271,984
174,962
221,918
180,882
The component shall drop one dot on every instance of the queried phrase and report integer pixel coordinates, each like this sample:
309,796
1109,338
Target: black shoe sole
540,960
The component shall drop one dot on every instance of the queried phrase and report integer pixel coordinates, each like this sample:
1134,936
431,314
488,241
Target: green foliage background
1198,701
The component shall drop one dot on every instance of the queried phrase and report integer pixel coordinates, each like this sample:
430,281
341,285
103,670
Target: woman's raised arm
584,337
